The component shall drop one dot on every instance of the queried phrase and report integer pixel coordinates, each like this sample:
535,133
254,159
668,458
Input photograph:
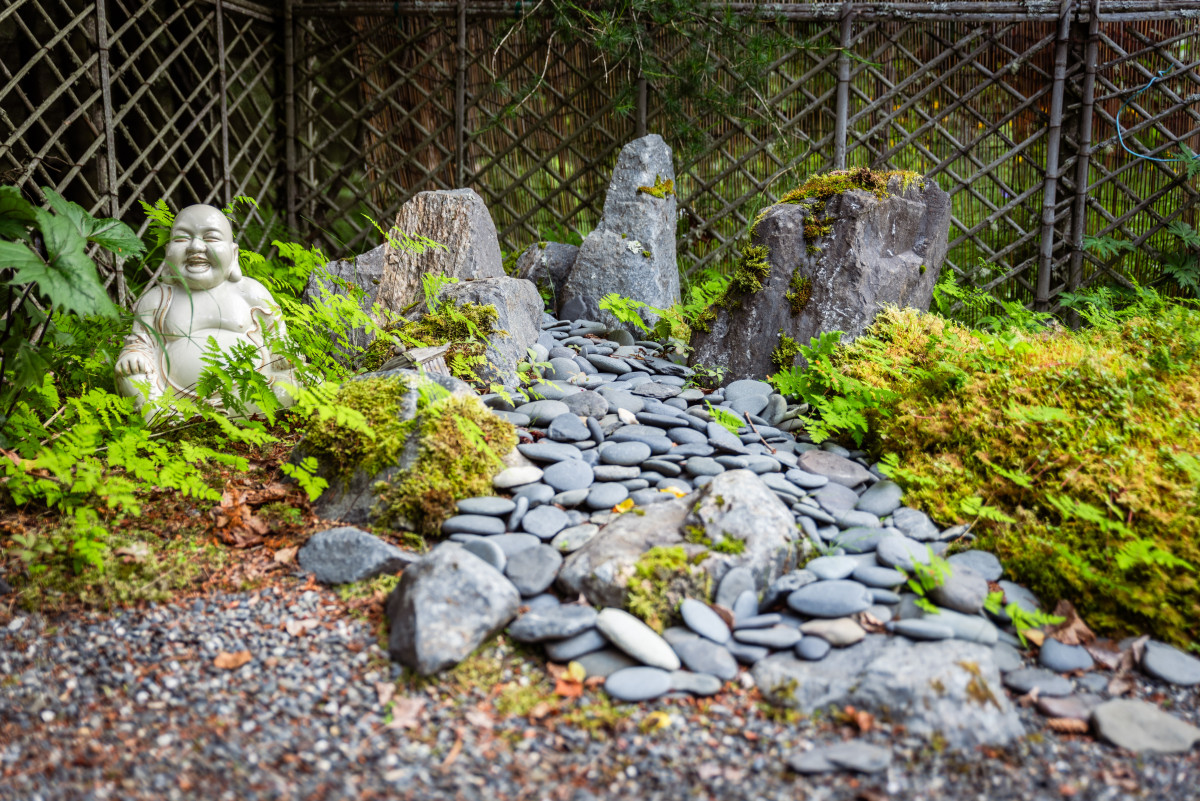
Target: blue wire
1120,138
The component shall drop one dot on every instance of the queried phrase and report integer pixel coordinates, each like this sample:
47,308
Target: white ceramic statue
203,294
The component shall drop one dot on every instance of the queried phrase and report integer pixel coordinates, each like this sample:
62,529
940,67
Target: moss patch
661,579
785,353
465,327
818,189
799,291
660,189
1074,454
460,446
379,402
752,269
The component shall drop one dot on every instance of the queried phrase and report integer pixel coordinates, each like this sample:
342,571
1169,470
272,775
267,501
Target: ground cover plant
1072,454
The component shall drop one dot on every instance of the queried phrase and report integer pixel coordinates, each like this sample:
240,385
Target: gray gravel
130,706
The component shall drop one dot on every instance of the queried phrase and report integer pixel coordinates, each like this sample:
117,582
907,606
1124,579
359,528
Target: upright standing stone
547,265
455,218
519,316
632,250
873,246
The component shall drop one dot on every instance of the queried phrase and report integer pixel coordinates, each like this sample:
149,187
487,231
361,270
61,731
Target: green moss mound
661,579
460,446
1074,454
661,188
785,353
799,291
378,400
465,327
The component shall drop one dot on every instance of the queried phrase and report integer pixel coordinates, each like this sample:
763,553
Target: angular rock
456,219
363,272
948,688
445,607
613,257
1169,664
347,554
533,570
547,265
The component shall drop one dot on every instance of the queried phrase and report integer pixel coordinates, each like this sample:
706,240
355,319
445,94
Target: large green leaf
107,233
15,212
68,280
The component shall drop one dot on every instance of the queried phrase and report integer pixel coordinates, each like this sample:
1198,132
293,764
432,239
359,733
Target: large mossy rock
632,251
421,460
518,315
828,257
733,521
456,219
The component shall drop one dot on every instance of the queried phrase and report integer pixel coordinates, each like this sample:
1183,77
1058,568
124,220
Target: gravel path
132,706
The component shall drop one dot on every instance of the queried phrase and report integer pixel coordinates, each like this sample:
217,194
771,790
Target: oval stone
701,619
625,453
636,639
516,477
638,683
488,505
483,525
572,474
545,521
605,496
831,599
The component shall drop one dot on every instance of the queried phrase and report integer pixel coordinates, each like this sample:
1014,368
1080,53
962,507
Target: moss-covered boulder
400,449
1075,455
827,257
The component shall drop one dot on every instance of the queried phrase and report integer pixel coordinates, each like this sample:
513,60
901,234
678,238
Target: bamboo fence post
460,99
1053,138
1083,157
842,112
110,145
641,106
289,110
223,88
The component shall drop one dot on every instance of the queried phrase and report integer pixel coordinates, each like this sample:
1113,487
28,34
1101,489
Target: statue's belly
182,358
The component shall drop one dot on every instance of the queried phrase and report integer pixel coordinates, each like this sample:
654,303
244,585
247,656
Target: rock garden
571,530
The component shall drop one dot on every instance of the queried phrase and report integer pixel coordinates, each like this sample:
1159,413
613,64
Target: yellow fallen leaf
576,672
655,721
1035,636
623,506
232,661
676,491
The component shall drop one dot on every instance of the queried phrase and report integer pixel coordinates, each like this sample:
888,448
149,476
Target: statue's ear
235,272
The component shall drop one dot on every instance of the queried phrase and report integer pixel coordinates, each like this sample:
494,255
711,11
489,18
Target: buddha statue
202,295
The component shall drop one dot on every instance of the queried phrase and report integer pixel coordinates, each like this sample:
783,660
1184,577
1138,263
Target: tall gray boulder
872,251
547,265
632,250
455,218
519,308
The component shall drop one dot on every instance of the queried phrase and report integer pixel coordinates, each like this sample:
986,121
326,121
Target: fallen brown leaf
1072,631
480,719
386,691
406,713
568,688
232,661
1067,725
298,628
1035,636
540,710
133,554
285,556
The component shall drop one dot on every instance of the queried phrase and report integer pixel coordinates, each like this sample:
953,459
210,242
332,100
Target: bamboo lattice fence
330,113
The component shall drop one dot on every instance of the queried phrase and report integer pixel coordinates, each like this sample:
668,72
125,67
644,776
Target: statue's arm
143,344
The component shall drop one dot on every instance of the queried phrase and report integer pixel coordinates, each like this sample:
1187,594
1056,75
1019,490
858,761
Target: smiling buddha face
201,249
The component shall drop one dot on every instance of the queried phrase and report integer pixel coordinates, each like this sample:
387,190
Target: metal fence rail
332,114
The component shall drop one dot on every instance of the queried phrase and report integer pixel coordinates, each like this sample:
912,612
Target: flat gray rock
445,607
545,521
512,544
915,524
831,568
542,412
901,552
345,555
963,590
921,629
1045,682
571,474
857,757
812,649
573,538
982,562
483,525
533,570
586,404
774,637
638,684
784,586
625,453
881,499
701,619
736,581
1169,664
605,662
585,642
605,496
1063,658
705,656
568,428
1141,727
699,684
836,499
488,551
877,576
836,468
549,452
487,505
553,623
831,599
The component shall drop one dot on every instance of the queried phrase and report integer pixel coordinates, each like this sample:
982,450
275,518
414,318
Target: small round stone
638,683
574,647
545,521
701,619
813,649
901,552
571,474
533,570
831,599
1046,682
831,568
703,466
541,412
567,428
705,656
625,453
1169,664
1063,658
573,538
488,551
605,496
546,451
